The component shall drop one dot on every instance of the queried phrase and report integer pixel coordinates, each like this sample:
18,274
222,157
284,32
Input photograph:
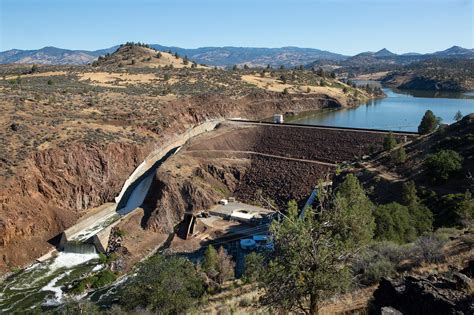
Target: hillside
385,60
434,75
142,56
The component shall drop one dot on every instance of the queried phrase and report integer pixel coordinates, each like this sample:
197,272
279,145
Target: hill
438,74
385,60
142,56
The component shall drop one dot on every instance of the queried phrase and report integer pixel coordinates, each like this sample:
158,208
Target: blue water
398,111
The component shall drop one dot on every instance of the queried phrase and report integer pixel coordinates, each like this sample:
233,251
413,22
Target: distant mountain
385,60
48,56
228,56
384,53
455,51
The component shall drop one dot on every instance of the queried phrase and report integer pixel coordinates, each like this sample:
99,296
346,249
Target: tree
166,285
210,261
398,156
283,79
159,55
311,256
389,142
356,210
458,116
465,210
394,223
253,267
176,55
246,67
34,68
235,68
185,60
428,123
225,266
422,217
285,91
443,164
282,67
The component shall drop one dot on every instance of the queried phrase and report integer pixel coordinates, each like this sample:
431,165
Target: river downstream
398,111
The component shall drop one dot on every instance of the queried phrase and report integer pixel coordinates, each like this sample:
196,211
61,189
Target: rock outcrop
431,295
55,188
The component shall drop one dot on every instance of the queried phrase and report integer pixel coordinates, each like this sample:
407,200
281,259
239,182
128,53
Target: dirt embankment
257,164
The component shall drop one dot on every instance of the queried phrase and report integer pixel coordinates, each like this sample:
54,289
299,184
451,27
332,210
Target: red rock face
54,190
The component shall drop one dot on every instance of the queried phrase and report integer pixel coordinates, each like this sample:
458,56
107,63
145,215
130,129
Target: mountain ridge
224,56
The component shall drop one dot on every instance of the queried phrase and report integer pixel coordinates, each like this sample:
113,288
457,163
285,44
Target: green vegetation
428,123
99,280
458,116
398,156
165,285
311,257
441,165
389,142
422,217
394,223
253,267
455,210
217,265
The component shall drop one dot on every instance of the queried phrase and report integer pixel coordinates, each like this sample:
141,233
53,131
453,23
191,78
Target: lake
399,111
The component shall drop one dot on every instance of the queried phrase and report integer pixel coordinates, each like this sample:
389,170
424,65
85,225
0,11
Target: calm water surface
399,111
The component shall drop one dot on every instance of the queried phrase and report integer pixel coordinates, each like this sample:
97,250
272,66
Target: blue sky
342,26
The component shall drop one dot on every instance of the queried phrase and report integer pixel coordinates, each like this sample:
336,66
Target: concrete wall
142,172
161,152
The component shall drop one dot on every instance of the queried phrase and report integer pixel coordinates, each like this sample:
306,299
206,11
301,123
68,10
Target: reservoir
398,111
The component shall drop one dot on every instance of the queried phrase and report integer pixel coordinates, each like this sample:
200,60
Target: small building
278,118
223,202
242,215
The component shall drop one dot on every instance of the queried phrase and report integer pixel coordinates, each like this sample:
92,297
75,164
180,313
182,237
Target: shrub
166,285
389,142
102,258
429,248
103,278
377,270
422,217
398,156
245,302
394,223
443,164
455,210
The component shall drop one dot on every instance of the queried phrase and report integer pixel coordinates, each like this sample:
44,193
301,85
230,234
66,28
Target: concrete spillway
95,228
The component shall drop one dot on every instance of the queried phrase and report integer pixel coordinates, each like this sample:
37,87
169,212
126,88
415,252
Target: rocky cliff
431,295
54,188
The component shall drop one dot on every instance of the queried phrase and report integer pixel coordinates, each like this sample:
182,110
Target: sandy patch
276,85
372,76
39,74
117,79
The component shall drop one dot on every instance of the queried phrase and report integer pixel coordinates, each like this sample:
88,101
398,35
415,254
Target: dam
92,232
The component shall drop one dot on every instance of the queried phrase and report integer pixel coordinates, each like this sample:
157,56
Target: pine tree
428,123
